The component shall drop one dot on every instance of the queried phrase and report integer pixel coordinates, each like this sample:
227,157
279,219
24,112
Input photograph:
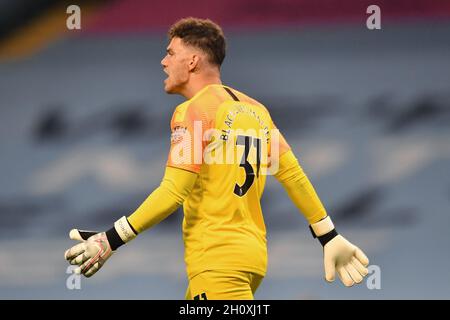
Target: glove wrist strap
124,229
121,233
323,230
327,237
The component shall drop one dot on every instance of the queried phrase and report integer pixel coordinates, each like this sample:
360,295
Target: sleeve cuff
121,233
322,227
124,230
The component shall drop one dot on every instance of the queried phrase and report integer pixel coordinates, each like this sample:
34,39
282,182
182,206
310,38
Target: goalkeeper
218,176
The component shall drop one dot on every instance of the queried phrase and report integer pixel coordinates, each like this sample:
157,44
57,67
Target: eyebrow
168,50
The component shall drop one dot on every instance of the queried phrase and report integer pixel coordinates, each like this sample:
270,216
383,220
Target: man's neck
198,85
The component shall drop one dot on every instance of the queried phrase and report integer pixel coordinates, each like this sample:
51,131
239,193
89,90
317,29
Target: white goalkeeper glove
96,247
339,254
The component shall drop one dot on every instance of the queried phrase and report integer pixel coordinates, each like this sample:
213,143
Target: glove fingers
92,270
358,266
330,270
361,257
86,265
345,277
80,235
353,273
74,251
79,259
74,234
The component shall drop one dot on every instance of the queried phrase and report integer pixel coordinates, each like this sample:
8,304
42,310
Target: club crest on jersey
177,134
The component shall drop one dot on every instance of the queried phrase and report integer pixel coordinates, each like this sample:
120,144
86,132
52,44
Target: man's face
176,65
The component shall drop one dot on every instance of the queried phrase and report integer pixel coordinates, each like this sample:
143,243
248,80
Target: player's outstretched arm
340,255
97,247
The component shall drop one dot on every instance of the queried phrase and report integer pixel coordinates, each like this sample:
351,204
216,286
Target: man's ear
194,62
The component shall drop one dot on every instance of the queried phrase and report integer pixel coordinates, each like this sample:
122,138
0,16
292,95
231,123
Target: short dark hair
203,34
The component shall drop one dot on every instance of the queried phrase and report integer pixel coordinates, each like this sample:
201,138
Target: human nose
164,61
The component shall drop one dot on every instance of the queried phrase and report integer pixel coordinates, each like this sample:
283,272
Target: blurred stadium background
85,134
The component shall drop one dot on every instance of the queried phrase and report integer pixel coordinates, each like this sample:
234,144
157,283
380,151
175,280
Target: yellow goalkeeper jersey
227,138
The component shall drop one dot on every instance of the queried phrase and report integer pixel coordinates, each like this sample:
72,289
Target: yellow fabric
299,188
213,108
223,227
223,285
174,188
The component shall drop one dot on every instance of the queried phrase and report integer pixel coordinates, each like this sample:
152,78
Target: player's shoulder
206,97
248,99
210,96
200,106
206,101
180,112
